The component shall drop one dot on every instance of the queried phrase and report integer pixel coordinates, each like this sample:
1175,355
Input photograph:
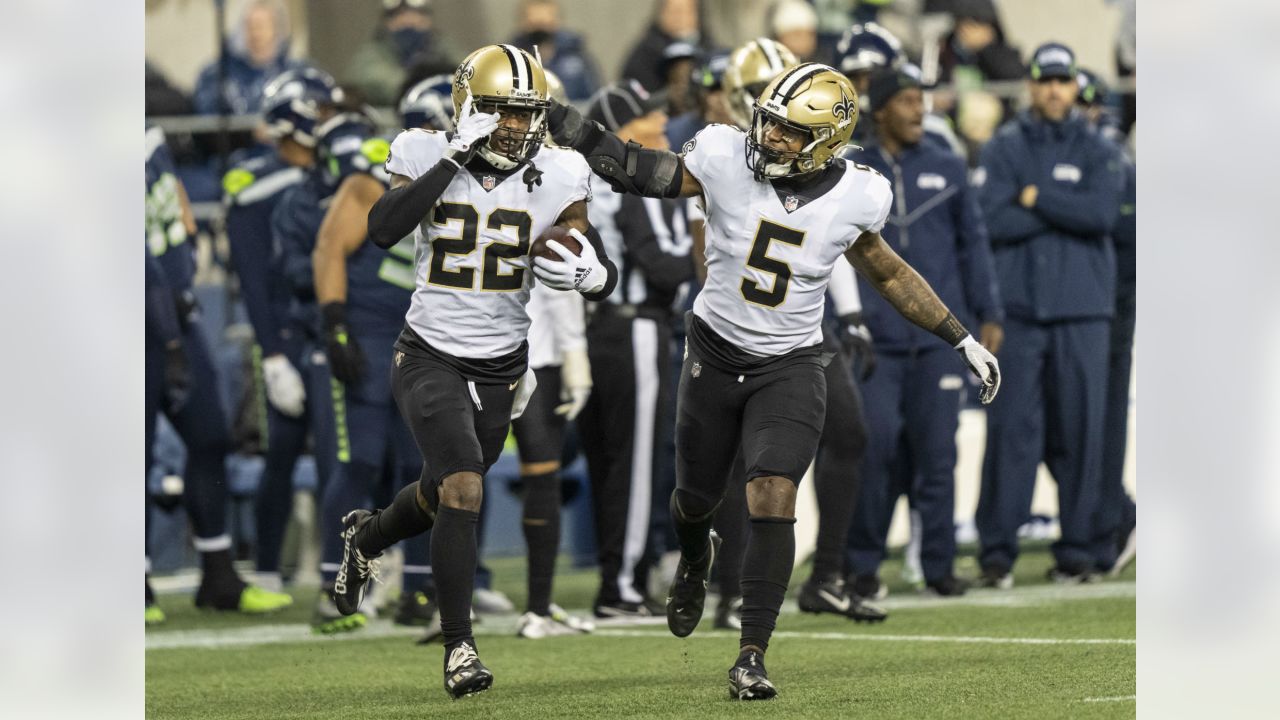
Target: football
560,234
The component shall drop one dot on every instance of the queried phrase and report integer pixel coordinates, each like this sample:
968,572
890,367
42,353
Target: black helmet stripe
792,80
521,73
770,53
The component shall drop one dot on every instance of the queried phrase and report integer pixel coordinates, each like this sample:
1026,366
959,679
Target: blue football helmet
429,104
867,47
292,101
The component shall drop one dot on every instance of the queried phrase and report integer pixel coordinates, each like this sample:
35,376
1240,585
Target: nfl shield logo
791,203
488,182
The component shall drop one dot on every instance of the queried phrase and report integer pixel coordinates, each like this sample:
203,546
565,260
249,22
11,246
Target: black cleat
356,570
464,674
729,613
621,611
688,593
748,679
415,610
833,596
1064,576
947,586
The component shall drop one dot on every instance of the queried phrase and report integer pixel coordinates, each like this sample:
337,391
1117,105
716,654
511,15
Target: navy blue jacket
569,62
935,225
1055,261
252,190
1126,234
295,222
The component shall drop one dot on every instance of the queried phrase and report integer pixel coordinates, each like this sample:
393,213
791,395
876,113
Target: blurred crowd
1015,198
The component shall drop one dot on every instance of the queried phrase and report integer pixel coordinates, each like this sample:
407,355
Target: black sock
216,569
731,526
453,561
541,524
771,550
404,518
692,517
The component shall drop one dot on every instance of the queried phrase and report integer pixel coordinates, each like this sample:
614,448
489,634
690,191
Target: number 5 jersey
771,246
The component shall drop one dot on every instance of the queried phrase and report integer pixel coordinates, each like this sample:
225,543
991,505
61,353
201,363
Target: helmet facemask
767,163
507,147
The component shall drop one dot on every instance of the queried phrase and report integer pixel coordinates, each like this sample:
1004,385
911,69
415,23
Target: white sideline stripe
719,635
1118,698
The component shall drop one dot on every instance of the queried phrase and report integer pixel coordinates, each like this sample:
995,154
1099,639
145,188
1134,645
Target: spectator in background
561,50
161,97
405,38
255,52
794,24
707,83
679,60
913,398
976,49
1050,189
674,20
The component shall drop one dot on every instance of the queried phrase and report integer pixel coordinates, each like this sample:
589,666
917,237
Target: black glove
856,341
177,378
346,362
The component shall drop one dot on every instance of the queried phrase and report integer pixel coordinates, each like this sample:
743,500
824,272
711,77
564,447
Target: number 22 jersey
770,252
471,252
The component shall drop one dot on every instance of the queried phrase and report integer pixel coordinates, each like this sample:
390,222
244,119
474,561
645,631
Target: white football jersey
768,257
472,263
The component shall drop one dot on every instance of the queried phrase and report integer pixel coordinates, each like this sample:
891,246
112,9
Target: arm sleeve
977,265
161,313
660,268
401,209
997,190
611,270
844,288
569,322
249,238
1091,209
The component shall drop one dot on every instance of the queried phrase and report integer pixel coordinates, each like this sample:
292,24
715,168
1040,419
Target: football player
293,104
836,475
474,200
781,211
181,382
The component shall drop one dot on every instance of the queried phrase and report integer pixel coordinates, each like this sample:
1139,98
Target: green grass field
1039,651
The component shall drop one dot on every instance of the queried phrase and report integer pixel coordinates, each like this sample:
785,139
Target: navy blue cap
618,104
887,82
1053,60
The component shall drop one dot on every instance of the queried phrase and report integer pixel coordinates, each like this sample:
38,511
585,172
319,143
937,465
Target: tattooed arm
911,296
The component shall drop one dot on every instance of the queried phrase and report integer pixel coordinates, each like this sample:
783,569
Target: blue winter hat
1053,60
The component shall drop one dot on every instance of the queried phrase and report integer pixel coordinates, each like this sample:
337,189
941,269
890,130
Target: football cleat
729,613
491,602
1128,551
622,611
356,570
415,610
748,679
948,586
868,587
464,674
997,578
573,622
688,593
155,615
247,599
1066,577
328,621
833,596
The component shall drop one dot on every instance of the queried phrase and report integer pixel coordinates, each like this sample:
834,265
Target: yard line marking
1118,698
889,638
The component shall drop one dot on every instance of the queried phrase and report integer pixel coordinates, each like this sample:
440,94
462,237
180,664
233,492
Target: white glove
285,389
984,365
575,383
583,273
523,389
470,129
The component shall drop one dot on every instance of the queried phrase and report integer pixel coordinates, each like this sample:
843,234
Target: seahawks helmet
428,104
506,79
812,102
750,68
293,102
867,47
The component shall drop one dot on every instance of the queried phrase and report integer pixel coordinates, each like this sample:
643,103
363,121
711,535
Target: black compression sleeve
627,167
610,270
401,209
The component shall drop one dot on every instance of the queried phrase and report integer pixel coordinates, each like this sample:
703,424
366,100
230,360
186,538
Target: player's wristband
334,314
951,331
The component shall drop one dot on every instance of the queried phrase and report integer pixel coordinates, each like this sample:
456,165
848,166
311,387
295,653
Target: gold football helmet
508,80
751,67
813,104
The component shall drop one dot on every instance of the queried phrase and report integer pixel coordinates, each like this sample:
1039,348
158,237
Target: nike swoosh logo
841,603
